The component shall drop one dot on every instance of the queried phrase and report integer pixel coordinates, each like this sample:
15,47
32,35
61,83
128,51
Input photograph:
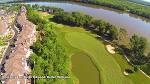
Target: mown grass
111,67
107,65
84,69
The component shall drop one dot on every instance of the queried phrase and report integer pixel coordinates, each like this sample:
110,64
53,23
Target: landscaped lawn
111,67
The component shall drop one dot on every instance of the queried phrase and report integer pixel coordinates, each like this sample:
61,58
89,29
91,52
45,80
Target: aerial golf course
90,59
75,41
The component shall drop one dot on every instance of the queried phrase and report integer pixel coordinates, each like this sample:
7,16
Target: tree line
49,58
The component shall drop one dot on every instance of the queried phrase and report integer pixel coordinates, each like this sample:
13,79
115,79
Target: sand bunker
110,49
125,73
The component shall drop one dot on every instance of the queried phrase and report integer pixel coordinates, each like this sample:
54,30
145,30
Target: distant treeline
123,5
140,2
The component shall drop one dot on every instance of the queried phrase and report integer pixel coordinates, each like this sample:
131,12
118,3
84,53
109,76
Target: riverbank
124,6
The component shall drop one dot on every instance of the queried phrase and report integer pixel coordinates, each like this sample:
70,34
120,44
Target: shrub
129,71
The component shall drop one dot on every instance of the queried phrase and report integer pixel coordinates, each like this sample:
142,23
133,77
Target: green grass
111,67
136,77
84,68
107,65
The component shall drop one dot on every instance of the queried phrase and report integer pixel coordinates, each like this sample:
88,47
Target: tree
100,26
108,27
148,58
79,19
35,6
88,20
146,68
114,32
2,42
138,46
123,39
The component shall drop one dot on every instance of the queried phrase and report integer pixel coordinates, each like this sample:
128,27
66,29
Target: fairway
111,67
110,71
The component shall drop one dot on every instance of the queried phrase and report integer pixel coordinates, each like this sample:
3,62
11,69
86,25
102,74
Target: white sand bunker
110,49
125,73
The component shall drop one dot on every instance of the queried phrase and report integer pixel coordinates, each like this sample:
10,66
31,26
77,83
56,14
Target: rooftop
17,62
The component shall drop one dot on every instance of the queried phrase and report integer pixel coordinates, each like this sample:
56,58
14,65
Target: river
132,23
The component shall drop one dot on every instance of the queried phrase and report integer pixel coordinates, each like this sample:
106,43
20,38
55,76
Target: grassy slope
111,66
